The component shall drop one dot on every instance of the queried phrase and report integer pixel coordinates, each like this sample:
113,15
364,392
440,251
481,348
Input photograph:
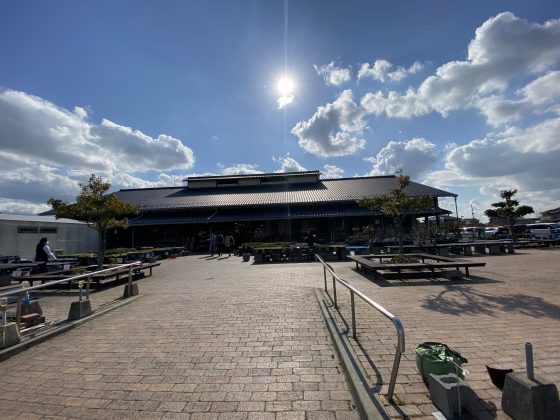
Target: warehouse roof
322,191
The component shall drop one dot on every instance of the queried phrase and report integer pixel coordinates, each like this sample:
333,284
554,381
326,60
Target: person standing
212,243
42,254
230,243
220,244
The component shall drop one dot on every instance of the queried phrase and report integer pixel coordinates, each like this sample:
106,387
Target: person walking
212,244
220,243
42,254
230,243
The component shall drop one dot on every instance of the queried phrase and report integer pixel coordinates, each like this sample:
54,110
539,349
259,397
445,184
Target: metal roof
36,219
324,191
251,176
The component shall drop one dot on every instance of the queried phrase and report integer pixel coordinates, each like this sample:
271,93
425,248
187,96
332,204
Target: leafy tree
509,210
398,204
100,210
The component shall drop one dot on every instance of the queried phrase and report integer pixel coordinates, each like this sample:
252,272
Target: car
544,230
490,232
471,232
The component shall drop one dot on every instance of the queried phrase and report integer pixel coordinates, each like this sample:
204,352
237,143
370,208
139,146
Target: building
259,207
552,215
19,234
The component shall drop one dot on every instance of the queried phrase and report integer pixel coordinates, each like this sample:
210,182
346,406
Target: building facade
260,207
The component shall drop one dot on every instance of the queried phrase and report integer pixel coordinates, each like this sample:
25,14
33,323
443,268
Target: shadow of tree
462,299
425,281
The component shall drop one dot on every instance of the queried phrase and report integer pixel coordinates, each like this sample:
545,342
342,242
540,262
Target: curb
367,401
60,329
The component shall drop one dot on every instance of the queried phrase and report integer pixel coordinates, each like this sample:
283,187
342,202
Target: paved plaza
222,339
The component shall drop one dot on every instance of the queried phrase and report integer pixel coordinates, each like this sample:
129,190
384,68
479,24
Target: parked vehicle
521,231
544,230
471,232
490,232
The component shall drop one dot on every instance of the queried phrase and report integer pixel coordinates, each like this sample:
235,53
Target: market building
260,207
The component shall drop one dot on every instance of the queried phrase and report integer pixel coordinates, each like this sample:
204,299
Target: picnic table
432,265
494,247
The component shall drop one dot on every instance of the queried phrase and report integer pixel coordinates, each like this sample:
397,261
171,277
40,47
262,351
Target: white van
544,230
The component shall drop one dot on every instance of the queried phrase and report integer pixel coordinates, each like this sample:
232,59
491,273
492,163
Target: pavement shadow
426,281
461,299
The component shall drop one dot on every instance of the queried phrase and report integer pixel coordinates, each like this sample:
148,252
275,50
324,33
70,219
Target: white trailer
19,234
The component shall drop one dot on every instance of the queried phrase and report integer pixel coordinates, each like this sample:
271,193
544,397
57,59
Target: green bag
432,357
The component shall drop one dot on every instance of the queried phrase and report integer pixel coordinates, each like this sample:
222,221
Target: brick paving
514,299
208,339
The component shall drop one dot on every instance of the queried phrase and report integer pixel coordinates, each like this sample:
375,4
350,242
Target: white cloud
289,164
504,47
33,127
333,129
414,157
332,171
381,70
284,100
526,159
242,169
47,150
332,74
539,96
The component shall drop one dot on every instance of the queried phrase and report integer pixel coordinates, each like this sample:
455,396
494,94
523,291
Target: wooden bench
388,270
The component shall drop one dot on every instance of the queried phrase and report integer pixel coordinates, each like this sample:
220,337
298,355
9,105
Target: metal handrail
79,276
21,291
393,318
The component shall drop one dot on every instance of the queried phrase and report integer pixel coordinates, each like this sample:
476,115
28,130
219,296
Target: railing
20,292
396,322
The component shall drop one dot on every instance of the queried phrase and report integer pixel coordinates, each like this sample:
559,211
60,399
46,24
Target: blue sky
463,96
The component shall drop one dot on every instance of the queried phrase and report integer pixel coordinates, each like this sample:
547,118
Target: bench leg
467,271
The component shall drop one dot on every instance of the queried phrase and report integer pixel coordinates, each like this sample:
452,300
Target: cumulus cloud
241,169
335,128
34,127
332,74
285,100
539,96
332,171
504,47
526,159
47,150
383,71
288,164
414,157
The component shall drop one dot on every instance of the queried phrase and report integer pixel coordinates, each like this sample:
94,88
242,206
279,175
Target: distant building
259,207
500,221
19,234
551,215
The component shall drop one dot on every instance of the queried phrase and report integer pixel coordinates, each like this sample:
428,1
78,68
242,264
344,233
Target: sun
285,86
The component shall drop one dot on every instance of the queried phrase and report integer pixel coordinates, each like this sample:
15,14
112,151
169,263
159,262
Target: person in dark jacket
42,254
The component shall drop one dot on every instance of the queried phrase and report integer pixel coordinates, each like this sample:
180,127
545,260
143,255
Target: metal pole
334,292
354,334
394,372
325,277
529,361
129,281
18,310
88,281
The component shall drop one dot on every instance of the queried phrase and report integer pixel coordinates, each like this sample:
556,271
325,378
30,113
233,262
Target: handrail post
18,310
88,282
325,276
129,281
394,372
353,314
334,292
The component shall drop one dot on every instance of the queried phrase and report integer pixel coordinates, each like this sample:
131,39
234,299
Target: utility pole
472,214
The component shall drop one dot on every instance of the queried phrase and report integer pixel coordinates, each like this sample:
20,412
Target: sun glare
285,86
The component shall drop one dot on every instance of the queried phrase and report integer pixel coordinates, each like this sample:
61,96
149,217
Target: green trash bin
433,357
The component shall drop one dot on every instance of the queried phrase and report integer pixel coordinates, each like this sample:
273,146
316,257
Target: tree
101,211
509,209
397,203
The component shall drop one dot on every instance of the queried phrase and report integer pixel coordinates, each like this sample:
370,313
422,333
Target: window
47,230
28,229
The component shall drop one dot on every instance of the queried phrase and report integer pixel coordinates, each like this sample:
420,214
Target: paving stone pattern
514,299
208,339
